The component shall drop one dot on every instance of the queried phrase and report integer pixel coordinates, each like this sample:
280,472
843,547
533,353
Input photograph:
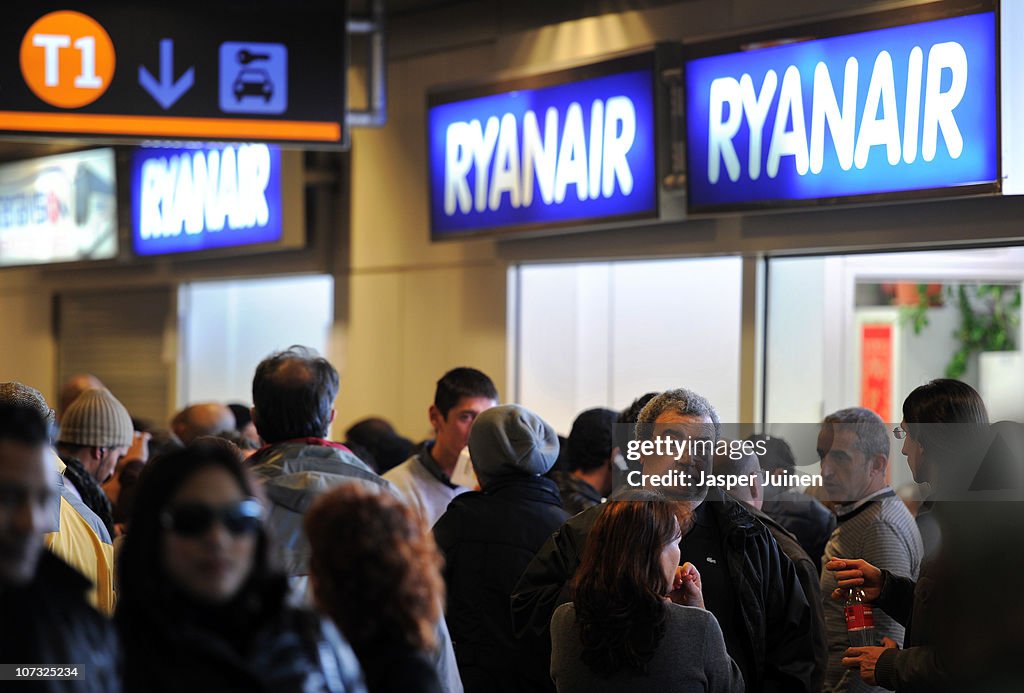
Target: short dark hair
777,453
293,393
947,418
625,425
23,423
378,440
943,401
591,440
462,382
242,415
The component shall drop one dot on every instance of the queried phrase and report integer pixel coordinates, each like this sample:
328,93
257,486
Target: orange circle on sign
67,59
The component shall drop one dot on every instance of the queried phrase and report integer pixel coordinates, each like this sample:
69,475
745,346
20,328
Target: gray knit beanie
511,440
97,419
22,395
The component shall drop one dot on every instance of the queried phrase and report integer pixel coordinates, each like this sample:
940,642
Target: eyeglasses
898,433
195,519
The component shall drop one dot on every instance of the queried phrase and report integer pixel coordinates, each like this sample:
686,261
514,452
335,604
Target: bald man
205,419
748,468
73,387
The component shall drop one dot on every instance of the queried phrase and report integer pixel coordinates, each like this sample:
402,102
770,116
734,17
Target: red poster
876,369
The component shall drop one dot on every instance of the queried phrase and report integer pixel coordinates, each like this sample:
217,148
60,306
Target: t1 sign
894,110
576,151
199,198
145,71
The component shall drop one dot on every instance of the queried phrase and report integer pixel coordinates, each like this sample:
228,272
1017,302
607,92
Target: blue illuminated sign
894,110
199,198
570,153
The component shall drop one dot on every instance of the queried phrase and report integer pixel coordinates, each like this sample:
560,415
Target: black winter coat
183,646
488,538
49,622
809,575
770,602
802,516
917,668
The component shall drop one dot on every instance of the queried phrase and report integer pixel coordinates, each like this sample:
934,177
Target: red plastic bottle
860,619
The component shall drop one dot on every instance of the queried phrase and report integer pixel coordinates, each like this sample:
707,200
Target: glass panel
602,334
865,330
228,327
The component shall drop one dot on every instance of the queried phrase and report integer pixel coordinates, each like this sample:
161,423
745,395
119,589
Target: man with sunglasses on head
47,621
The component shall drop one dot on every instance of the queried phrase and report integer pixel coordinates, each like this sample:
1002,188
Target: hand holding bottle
855,572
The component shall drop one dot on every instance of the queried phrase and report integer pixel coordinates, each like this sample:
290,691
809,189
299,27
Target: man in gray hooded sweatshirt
293,395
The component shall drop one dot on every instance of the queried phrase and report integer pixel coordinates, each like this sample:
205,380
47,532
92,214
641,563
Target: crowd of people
241,549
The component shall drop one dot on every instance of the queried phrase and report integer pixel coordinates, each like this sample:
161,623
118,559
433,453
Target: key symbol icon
245,57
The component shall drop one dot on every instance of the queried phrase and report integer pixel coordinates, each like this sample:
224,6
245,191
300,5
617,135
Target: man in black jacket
590,450
805,517
46,618
749,490
488,537
748,584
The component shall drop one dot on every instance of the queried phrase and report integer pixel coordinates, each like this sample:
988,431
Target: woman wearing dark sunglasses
199,606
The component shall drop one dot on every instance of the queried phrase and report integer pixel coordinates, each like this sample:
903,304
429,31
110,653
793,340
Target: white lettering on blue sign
880,112
205,190
561,161
732,101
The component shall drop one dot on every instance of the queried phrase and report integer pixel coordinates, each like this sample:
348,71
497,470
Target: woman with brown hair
376,571
637,620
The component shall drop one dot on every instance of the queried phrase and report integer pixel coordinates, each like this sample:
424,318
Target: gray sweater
881,531
690,658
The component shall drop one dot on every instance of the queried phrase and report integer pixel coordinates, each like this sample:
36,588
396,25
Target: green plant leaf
989,316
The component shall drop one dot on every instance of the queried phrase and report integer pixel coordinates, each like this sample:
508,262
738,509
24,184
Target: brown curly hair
375,567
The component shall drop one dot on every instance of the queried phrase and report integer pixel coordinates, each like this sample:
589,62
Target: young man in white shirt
425,479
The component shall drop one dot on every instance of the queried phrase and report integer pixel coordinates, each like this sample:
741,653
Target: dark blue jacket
488,538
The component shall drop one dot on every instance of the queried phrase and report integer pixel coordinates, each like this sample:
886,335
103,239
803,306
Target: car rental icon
252,81
253,77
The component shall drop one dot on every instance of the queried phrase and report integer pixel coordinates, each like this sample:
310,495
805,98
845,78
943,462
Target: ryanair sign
569,153
186,199
894,110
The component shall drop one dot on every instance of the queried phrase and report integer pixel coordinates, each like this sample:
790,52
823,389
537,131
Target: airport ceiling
518,14
510,15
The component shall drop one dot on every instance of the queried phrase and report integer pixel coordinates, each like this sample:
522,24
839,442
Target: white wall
602,334
796,334
229,327
797,380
